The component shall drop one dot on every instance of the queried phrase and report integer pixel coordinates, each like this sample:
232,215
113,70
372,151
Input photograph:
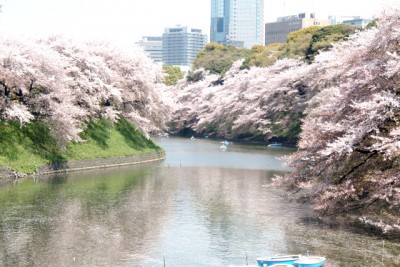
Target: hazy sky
126,21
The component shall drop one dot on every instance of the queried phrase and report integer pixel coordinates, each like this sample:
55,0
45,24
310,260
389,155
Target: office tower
237,22
181,45
277,32
152,46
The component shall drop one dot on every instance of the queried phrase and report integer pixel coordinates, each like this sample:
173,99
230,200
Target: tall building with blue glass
237,22
181,44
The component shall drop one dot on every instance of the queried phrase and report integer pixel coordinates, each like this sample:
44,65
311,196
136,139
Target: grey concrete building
277,32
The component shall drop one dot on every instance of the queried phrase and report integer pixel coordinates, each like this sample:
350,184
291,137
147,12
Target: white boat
223,147
275,145
277,259
310,261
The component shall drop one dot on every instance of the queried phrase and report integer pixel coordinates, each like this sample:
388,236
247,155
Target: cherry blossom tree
250,101
349,106
68,83
348,155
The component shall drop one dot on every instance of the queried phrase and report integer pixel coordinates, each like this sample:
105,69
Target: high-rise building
152,46
181,44
277,32
237,22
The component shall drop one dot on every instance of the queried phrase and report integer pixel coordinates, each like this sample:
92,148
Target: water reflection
194,215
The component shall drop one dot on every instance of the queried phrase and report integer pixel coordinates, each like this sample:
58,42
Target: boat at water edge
280,265
277,259
275,145
310,261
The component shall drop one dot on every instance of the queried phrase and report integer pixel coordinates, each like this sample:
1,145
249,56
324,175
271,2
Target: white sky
126,21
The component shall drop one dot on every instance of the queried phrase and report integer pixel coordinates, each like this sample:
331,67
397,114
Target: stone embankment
88,164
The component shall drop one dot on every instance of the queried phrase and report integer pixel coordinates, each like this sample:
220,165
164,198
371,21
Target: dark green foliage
133,137
173,75
99,131
298,43
324,38
218,59
262,56
372,24
195,76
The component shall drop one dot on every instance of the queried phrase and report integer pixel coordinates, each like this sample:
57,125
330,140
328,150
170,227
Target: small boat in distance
310,261
275,145
277,259
223,145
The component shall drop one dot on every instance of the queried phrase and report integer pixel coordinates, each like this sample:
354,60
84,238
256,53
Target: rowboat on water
275,145
310,261
291,261
277,259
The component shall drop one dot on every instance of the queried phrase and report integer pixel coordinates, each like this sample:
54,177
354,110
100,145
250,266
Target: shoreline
84,165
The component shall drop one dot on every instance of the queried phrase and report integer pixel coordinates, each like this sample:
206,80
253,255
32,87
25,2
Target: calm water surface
200,207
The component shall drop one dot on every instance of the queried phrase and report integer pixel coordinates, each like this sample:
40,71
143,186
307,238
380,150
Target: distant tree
324,38
217,58
195,75
263,56
172,75
213,46
372,24
298,43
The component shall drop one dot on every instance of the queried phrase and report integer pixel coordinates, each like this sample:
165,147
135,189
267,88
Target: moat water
199,207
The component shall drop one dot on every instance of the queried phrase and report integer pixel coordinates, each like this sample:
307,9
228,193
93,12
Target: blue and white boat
280,265
277,259
275,145
310,261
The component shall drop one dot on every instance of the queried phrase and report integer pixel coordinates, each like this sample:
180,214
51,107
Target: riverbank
32,150
82,165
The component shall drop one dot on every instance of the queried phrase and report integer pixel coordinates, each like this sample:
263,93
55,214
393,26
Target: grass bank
25,148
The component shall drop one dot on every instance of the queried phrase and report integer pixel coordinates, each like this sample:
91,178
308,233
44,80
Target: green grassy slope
24,148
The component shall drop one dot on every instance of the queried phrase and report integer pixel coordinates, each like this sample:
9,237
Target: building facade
237,22
355,21
358,23
339,19
152,46
180,45
277,32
